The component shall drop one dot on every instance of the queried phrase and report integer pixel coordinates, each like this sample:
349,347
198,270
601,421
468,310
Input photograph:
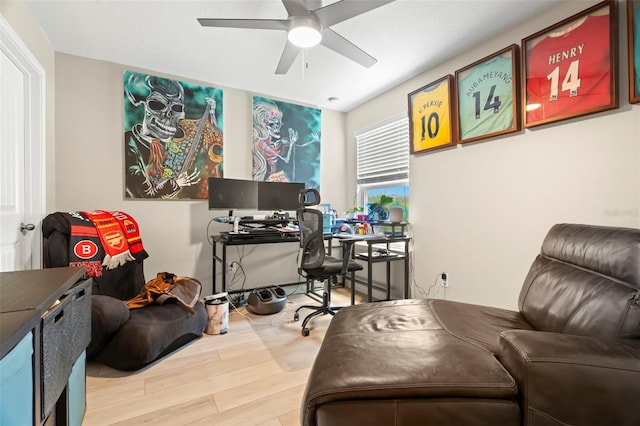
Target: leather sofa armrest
569,379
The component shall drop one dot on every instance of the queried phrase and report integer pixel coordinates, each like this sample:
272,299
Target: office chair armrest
347,254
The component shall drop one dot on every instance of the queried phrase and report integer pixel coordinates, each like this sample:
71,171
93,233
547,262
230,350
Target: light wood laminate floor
232,379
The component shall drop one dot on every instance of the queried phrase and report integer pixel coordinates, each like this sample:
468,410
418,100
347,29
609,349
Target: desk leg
388,280
406,270
224,267
214,268
353,288
369,273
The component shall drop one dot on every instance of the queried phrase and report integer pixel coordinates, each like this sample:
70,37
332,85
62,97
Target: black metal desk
224,240
371,258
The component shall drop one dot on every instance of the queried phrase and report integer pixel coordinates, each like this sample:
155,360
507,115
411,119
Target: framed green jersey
431,120
488,96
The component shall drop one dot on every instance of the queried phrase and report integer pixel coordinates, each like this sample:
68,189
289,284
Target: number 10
431,127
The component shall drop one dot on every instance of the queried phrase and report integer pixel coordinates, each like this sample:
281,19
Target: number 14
571,81
493,102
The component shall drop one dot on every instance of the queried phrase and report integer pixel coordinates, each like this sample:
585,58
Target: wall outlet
231,268
445,279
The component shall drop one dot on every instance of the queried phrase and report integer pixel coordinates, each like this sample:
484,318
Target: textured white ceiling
406,36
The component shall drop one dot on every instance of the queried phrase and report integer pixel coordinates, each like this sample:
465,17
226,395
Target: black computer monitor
279,195
232,194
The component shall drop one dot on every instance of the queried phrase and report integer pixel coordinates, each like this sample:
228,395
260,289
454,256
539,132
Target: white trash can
218,313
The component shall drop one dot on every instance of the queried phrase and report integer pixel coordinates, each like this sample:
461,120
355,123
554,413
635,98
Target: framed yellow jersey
431,121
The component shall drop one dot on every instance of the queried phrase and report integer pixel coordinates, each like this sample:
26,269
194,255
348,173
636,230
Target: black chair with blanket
121,338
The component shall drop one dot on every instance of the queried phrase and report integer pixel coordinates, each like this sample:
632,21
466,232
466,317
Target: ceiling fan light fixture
304,32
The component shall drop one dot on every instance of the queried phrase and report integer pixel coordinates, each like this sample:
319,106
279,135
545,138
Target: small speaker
396,214
266,301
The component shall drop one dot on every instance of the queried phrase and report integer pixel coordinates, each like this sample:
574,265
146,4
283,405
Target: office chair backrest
311,238
308,197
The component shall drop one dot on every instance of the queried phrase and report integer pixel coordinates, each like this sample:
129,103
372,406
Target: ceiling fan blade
345,9
313,4
296,7
260,24
341,45
289,54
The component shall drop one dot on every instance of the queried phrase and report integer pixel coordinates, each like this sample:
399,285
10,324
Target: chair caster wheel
296,317
305,332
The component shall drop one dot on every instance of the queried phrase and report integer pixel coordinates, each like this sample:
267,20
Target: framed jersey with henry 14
488,96
431,120
570,69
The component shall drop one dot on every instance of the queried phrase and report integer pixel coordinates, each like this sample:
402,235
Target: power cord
209,236
437,283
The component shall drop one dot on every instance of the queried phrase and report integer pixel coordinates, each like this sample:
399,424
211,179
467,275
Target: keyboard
262,231
261,234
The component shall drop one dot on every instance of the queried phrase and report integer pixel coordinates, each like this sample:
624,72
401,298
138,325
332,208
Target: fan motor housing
266,301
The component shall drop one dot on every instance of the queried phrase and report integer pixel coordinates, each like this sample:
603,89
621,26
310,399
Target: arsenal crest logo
115,240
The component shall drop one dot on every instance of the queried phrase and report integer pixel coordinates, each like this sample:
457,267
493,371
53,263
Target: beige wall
90,169
480,211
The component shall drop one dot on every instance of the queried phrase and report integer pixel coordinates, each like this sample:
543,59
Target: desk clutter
379,253
313,225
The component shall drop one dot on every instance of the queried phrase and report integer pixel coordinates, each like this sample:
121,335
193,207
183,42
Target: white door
21,153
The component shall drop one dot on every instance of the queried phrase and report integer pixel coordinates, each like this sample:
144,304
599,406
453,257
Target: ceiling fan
308,25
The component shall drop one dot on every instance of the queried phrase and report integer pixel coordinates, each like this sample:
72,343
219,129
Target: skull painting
164,108
172,139
273,123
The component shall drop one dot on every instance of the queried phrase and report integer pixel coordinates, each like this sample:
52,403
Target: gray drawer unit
66,332
80,327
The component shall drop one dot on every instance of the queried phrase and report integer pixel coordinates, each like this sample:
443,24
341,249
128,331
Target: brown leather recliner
569,356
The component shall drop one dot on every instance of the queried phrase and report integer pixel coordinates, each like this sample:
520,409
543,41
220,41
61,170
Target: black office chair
313,263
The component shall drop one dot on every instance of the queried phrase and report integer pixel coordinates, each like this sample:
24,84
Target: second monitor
279,195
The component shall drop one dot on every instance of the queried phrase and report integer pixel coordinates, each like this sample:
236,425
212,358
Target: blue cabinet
77,391
16,384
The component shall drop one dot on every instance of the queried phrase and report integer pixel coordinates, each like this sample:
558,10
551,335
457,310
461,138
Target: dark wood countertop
25,295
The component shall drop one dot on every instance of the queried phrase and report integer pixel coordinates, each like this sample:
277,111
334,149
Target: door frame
35,135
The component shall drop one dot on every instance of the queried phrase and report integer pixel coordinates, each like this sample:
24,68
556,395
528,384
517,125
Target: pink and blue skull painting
292,155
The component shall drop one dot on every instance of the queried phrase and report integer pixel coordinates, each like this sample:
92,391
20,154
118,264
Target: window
383,162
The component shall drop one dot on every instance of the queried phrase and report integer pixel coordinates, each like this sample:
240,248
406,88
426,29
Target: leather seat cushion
399,350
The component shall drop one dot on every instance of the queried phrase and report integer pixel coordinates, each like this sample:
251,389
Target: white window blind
383,151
